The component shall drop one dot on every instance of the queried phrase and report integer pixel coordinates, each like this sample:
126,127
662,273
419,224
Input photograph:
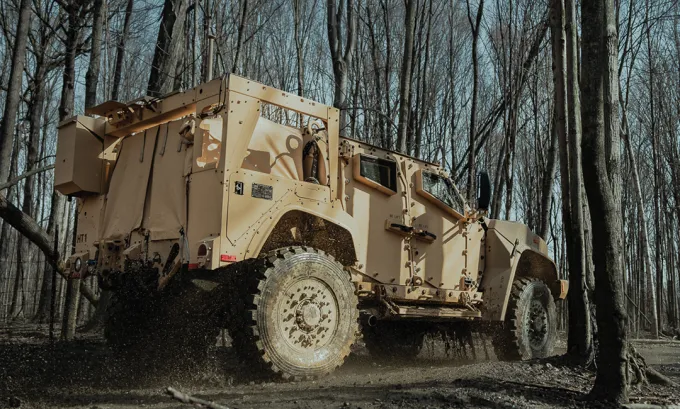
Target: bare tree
92,76
243,13
600,133
474,25
405,81
580,331
14,89
166,55
341,56
120,50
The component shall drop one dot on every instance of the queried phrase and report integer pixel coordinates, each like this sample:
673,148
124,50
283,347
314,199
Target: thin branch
28,174
184,398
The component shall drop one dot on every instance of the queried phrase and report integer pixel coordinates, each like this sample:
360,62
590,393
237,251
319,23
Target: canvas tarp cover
275,149
127,190
165,212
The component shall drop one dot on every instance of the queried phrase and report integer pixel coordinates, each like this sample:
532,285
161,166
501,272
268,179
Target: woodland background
423,77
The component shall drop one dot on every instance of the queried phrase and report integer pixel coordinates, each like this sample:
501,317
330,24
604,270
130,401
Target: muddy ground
87,374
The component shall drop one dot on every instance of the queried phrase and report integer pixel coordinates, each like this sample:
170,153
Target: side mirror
484,191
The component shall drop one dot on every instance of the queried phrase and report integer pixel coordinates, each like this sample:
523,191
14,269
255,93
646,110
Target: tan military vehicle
307,238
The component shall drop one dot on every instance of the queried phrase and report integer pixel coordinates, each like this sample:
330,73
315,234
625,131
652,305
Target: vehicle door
377,192
446,248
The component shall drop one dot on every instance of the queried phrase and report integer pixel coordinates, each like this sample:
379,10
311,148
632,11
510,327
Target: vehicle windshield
444,190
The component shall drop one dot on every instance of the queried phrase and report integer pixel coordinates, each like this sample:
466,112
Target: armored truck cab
310,239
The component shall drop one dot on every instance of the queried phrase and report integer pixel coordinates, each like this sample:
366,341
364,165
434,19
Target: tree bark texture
92,75
472,172
14,89
405,80
342,59
120,50
599,52
582,344
164,65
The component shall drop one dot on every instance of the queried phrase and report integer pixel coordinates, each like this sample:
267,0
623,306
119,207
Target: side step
436,312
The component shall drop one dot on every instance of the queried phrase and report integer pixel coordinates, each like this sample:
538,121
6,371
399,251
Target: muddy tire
297,316
390,340
529,329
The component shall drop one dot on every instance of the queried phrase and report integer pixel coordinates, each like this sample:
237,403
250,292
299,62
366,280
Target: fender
512,250
257,244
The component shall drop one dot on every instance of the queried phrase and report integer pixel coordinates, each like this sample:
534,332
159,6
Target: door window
442,191
376,172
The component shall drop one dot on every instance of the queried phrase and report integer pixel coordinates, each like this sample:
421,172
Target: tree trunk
642,219
92,75
239,35
600,134
120,50
163,67
66,107
581,346
14,89
342,60
297,23
35,110
472,173
425,94
548,178
579,343
658,286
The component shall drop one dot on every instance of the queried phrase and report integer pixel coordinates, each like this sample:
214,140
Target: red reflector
193,266
227,257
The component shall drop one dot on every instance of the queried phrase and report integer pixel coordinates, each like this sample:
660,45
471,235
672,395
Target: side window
211,142
441,190
376,172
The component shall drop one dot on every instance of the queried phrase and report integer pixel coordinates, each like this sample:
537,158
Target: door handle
398,228
402,227
426,235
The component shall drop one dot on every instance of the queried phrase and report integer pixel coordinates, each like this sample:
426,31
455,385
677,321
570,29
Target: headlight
78,264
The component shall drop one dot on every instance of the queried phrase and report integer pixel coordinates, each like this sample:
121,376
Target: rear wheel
298,317
529,330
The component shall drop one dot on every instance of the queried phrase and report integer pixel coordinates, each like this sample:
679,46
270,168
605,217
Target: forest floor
87,374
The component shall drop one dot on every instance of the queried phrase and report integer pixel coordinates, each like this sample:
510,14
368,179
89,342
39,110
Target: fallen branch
655,341
184,398
28,174
30,229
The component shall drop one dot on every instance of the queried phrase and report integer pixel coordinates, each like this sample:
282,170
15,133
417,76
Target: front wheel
300,316
529,330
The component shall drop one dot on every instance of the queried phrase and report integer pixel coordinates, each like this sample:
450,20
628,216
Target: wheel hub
308,314
538,325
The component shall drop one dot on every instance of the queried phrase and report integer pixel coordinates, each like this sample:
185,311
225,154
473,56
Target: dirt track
87,374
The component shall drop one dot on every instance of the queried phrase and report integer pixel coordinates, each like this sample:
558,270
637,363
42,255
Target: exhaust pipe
369,318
